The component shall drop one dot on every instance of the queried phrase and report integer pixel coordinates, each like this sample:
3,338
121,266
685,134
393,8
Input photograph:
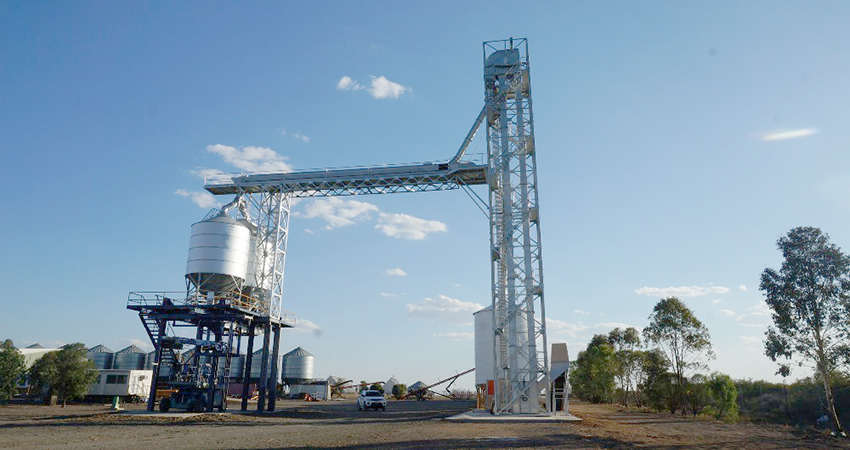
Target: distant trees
377,387
399,391
685,340
66,373
592,376
810,300
627,358
11,368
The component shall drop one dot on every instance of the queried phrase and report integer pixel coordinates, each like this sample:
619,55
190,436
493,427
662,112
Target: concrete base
483,416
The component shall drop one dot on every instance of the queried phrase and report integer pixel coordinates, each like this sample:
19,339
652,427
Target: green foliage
399,391
724,397
376,387
657,386
684,339
809,299
697,393
66,373
592,376
627,359
11,368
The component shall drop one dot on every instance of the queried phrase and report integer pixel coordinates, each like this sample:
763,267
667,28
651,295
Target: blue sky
676,142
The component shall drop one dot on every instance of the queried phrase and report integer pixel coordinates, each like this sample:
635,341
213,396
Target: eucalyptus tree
808,297
626,344
11,368
683,338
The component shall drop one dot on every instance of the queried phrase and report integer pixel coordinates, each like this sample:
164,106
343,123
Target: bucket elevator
519,335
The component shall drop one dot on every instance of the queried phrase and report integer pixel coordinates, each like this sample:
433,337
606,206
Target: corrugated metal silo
218,254
101,355
130,358
297,366
484,346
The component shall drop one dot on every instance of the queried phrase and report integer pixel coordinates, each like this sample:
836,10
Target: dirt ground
404,425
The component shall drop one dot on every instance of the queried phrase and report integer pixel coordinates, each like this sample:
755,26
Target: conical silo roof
36,345
132,349
298,352
100,349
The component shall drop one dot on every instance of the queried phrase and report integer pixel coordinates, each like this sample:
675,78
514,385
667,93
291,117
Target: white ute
371,399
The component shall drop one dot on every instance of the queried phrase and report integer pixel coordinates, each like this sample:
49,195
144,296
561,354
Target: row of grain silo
294,367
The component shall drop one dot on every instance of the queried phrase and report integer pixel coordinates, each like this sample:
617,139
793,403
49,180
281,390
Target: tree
11,368
377,387
625,343
399,391
724,396
684,339
66,373
656,387
698,395
592,378
809,299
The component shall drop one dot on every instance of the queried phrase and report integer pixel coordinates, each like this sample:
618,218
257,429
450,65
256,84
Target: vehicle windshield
373,394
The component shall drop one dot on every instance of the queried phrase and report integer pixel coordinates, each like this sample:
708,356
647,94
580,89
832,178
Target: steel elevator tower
517,267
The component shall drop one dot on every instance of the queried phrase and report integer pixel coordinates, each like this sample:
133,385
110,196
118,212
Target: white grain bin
484,346
257,363
130,358
218,254
101,356
297,366
388,386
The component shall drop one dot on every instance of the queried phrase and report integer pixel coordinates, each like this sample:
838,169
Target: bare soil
404,425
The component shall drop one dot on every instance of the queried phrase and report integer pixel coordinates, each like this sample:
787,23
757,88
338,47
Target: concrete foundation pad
482,416
172,415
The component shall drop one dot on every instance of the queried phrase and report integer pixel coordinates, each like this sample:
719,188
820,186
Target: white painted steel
484,345
298,366
218,254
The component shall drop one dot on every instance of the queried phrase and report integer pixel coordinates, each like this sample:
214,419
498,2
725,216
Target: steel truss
517,267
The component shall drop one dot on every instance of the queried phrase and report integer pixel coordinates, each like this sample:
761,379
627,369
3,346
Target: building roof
100,349
297,352
132,349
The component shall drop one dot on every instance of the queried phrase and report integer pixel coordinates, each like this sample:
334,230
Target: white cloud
203,173
781,135
454,336
383,88
389,295
750,339
347,84
251,159
716,301
380,87
397,272
756,316
443,309
681,291
583,313
611,325
404,226
301,137
727,312
201,198
742,287
337,212
559,327
306,326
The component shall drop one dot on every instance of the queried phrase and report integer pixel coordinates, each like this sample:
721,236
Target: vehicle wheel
165,405
197,406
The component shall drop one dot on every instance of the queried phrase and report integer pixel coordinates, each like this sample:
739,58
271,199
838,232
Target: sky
676,142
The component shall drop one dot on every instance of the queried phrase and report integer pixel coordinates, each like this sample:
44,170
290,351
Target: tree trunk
830,399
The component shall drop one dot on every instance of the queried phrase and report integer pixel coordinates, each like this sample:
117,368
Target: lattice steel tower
517,268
